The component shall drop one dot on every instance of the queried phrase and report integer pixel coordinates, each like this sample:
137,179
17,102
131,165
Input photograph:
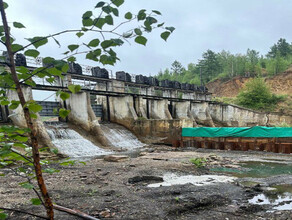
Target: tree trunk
33,131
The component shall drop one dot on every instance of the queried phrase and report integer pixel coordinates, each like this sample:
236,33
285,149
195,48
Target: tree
210,65
99,49
252,58
257,95
282,48
177,68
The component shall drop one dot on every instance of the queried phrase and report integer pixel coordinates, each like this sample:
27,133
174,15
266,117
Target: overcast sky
233,25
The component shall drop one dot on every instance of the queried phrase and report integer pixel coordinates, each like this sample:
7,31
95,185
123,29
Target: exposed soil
118,190
280,84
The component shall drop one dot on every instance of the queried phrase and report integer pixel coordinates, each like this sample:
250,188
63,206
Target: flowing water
121,137
277,202
170,179
72,144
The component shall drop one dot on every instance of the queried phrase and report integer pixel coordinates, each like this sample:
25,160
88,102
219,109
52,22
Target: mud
107,190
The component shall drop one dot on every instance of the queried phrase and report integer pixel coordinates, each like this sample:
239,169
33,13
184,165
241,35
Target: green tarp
260,132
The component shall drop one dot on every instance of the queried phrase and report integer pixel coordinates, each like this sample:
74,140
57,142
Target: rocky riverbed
161,183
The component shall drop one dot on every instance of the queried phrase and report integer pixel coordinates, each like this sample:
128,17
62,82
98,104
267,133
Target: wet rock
115,158
137,179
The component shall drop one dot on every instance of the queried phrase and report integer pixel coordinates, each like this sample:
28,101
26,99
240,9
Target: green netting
263,132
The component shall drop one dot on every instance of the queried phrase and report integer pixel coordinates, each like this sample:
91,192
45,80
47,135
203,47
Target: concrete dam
147,110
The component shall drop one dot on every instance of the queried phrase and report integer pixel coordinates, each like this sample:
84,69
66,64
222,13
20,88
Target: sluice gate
269,139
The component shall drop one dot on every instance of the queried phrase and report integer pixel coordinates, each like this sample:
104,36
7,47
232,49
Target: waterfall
72,144
121,137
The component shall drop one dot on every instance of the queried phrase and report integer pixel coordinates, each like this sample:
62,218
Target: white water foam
121,137
173,179
72,144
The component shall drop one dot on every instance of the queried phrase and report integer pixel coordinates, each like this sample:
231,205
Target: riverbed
161,182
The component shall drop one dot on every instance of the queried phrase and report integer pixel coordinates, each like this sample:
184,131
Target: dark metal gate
97,110
49,108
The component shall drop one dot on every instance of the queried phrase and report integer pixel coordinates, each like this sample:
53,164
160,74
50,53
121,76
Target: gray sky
233,25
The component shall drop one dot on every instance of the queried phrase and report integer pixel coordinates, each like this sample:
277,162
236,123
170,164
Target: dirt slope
280,84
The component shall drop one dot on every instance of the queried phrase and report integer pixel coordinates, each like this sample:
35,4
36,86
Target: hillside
280,84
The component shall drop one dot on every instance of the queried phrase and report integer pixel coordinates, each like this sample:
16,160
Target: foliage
226,100
198,162
224,65
19,150
281,48
257,95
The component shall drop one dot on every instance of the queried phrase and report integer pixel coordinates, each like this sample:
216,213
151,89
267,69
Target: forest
225,65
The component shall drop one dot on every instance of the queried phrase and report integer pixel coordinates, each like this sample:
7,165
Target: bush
257,95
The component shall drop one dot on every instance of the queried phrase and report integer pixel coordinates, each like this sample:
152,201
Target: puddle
257,169
174,179
278,202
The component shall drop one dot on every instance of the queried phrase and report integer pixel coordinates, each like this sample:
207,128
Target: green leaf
4,102
165,35
138,31
26,185
34,107
14,105
107,9
65,68
115,12
74,88
3,215
49,60
57,42
73,47
109,19
31,53
156,12
171,29
87,22
117,3
63,113
87,14
36,201
32,115
107,43
151,20
5,5
18,25
54,71
79,34
128,15
64,95
38,41
16,47
141,15
93,55
21,138
94,43
99,4
55,151
99,22
160,25
141,40
71,59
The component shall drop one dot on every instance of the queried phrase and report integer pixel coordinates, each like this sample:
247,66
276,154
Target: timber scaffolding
269,139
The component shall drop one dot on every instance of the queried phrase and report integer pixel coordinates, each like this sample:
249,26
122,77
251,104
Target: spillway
121,137
72,144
